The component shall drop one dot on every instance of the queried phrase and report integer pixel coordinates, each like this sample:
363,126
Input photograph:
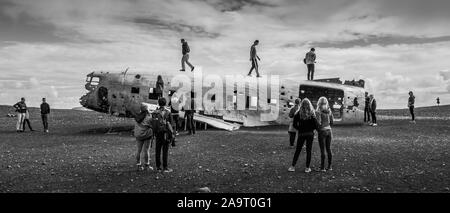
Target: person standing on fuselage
310,60
253,58
185,50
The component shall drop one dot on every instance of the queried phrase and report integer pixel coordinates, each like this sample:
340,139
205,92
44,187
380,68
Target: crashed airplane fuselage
121,94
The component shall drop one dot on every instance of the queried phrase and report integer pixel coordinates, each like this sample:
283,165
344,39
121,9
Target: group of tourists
23,115
306,121
370,110
162,126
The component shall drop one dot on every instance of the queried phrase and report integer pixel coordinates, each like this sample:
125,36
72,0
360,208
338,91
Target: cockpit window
94,81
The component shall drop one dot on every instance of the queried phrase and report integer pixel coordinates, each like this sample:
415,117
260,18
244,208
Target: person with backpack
292,131
325,135
310,60
164,134
185,50
21,109
305,122
411,101
144,134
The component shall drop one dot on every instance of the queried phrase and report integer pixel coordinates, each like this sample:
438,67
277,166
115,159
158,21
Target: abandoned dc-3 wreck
122,93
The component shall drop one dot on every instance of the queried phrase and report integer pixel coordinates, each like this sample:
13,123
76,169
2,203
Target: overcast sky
48,46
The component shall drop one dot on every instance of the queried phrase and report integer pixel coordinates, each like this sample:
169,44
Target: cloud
445,74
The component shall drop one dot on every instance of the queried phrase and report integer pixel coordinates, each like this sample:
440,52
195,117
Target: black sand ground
77,156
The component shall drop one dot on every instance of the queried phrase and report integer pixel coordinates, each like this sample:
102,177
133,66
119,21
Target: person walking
143,133
366,108
310,60
253,58
164,134
411,101
305,122
373,110
325,135
185,50
21,109
45,111
292,131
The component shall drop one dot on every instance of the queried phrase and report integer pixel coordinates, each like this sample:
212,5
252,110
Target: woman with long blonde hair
305,122
325,120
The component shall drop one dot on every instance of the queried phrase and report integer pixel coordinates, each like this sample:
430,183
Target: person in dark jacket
310,60
366,108
253,58
325,135
185,50
163,138
305,122
45,111
292,131
21,109
373,110
159,87
411,101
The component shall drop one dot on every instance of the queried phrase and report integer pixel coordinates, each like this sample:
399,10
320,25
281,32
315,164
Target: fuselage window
135,90
152,95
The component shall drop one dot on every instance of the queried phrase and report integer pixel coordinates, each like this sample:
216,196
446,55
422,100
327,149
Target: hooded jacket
142,128
324,119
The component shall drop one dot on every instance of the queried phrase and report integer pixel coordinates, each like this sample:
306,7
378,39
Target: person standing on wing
253,57
185,59
310,60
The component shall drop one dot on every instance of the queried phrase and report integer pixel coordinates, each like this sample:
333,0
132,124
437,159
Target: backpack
159,122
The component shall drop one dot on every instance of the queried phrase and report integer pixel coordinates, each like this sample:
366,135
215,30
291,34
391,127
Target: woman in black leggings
305,122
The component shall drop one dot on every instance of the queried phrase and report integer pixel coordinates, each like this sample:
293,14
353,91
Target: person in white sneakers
143,133
305,122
